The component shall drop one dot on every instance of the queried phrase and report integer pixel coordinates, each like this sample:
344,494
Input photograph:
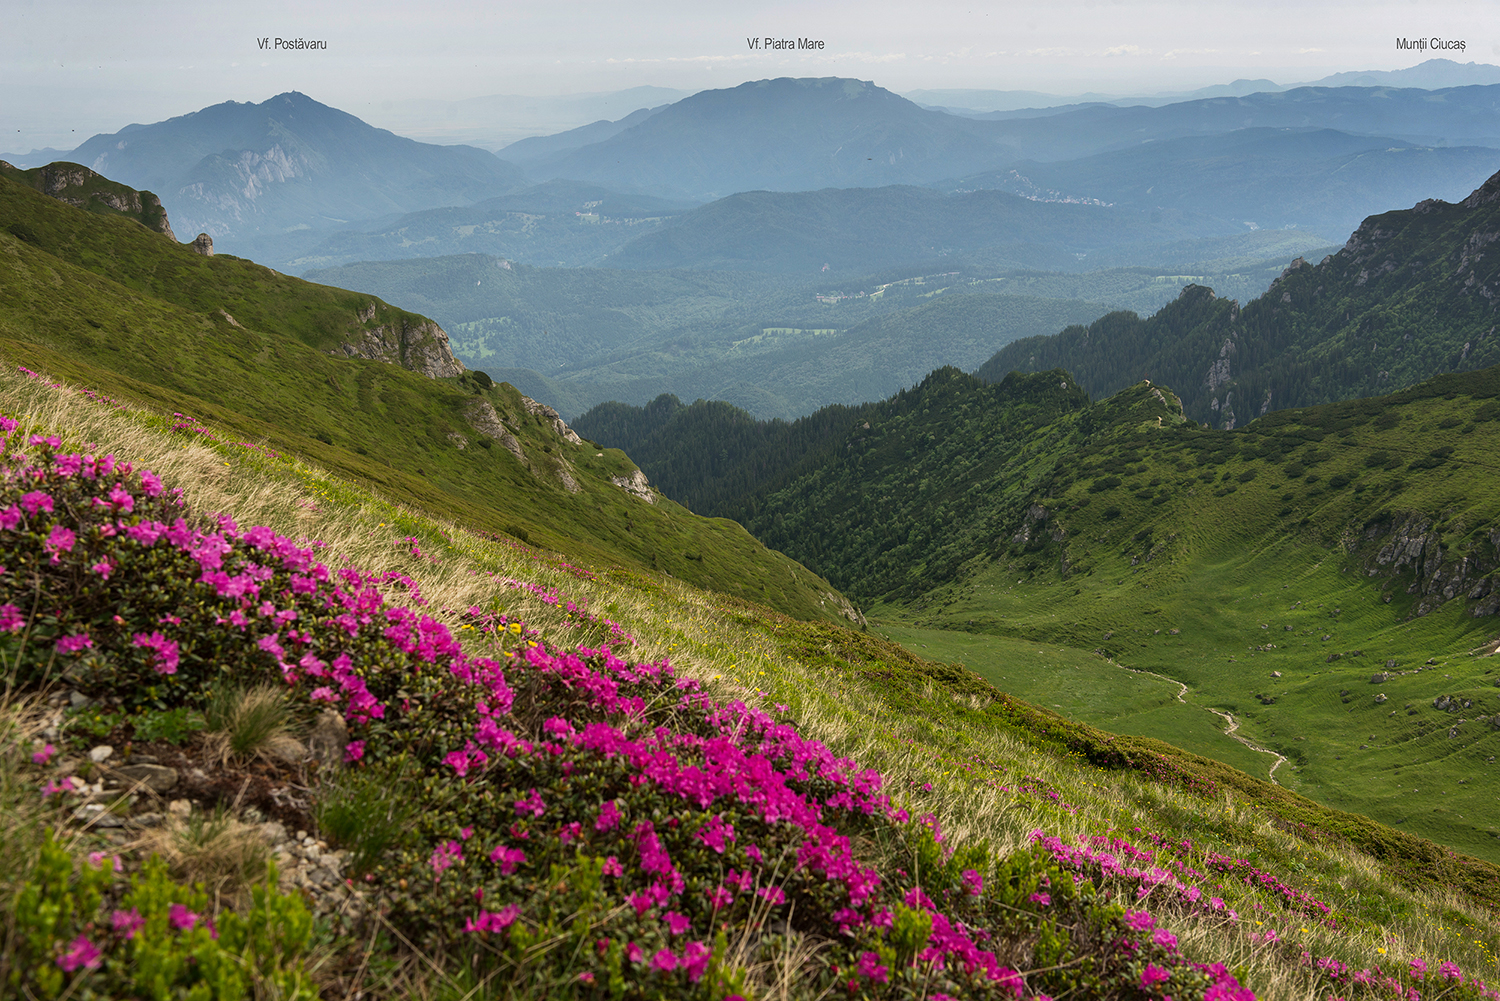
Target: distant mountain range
1432,74
1412,294
289,164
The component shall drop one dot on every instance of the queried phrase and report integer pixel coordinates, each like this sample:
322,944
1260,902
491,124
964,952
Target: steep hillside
512,776
1411,294
84,189
369,390
1321,544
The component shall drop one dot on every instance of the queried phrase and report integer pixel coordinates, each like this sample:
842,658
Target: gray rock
157,778
328,738
202,244
148,820
1379,678
1380,698
100,754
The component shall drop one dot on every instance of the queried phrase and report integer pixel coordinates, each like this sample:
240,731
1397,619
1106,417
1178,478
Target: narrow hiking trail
1230,723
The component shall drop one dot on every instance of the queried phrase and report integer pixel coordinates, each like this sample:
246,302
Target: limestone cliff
413,342
1411,548
82,188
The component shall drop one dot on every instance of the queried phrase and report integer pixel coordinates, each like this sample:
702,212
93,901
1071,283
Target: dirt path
1230,723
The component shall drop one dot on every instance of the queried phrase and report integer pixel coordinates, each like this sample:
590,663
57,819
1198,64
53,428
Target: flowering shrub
79,935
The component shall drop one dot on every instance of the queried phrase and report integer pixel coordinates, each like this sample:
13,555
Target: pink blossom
1164,939
11,619
60,540
444,855
532,804
1153,975
695,957
676,923
507,858
493,921
1139,920
609,816
353,751
74,643
664,961
1418,968
612,867
1044,899
81,952
974,881
44,755
871,969
103,568
36,501
181,918
127,923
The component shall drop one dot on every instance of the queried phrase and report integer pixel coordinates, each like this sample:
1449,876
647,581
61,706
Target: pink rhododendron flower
75,643
36,501
44,755
1450,971
664,961
60,540
494,921
444,855
676,923
353,751
1139,920
1044,899
82,953
1164,939
127,923
612,867
179,917
11,619
1418,968
1153,975
507,858
609,816
871,969
532,804
974,881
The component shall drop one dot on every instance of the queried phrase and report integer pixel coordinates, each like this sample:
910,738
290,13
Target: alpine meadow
782,542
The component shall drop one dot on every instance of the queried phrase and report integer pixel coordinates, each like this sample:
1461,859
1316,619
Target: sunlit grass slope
1300,574
1192,863
128,311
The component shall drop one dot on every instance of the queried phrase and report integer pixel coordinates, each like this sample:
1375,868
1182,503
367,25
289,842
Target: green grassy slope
985,767
1125,535
132,314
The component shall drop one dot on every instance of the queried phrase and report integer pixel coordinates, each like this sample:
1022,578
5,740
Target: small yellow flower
1381,950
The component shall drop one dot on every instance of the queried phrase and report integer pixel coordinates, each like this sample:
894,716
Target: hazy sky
70,68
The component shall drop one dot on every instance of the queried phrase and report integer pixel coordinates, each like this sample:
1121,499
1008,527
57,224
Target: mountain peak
1486,194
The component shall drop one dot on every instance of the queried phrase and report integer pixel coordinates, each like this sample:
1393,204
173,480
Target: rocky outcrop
636,485
549,416
483,418
412,342
1411,544
202,244
83,188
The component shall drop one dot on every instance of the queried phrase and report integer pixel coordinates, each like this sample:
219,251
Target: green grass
105,303
1234,576
944,739
1082,686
